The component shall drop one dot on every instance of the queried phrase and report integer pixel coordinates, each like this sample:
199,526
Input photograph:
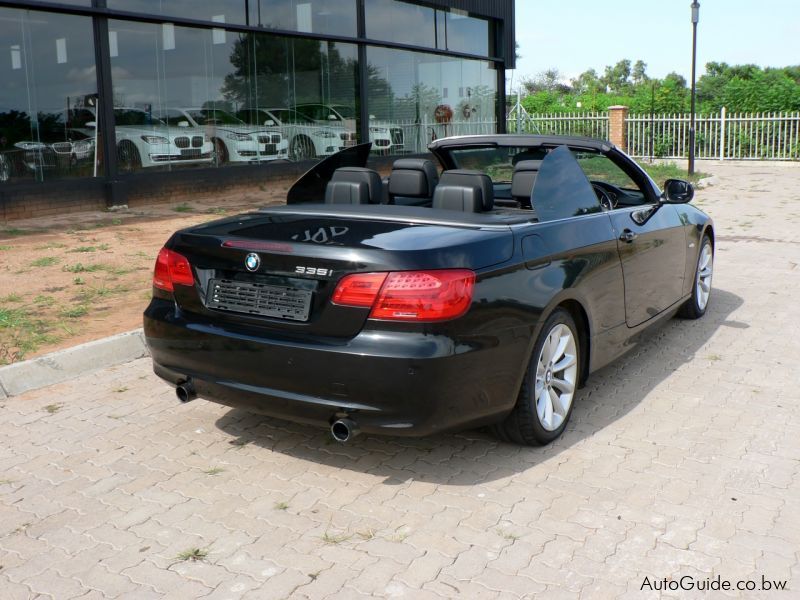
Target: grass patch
182,208
22,333
660,172
43,300
119,390
51,246
74,312
6,481
192,554
217,210
507,535
81,268
214,471
46,261
84,249
15,231
281,505
11,298
91,293
335,538
79,281
6,247
53,408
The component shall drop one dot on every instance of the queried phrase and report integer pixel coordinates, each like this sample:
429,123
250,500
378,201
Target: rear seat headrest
354,185
468,191
524,177
413,177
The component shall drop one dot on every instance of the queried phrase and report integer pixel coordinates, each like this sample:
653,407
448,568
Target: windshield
134,116
496,161
207,116
347,112
290,116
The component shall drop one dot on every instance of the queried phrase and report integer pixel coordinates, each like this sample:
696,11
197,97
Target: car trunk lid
277,270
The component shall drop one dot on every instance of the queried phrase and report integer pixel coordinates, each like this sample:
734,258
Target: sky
575,35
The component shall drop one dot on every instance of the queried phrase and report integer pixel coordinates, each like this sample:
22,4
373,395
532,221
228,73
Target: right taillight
172,268
420,296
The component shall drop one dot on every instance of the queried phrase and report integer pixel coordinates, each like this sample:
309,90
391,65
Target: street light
695,18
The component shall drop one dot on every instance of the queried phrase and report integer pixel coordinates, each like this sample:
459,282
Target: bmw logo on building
252,261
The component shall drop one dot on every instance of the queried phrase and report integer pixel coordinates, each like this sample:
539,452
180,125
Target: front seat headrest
468,191
523,179
413,178
354,185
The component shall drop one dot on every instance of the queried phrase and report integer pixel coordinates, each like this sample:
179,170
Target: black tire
220,152
128,156
694,308
523,424
301,148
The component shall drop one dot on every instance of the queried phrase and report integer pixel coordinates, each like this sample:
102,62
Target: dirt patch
84,276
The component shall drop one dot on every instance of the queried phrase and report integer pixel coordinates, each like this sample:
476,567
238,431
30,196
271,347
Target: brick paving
681,459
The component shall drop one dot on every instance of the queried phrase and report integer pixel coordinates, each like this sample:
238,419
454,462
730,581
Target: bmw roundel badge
252,261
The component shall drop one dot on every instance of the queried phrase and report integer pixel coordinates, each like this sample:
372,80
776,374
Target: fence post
722,134
617,126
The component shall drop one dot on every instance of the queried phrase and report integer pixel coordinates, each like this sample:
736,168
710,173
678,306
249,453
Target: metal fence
758,136
589,124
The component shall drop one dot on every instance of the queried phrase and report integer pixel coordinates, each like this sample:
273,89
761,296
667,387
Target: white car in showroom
307,138
233,139
386,138
144,140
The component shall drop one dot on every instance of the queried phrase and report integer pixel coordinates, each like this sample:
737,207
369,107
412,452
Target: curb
69,363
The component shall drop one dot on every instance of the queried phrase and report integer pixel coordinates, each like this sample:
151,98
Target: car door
650,239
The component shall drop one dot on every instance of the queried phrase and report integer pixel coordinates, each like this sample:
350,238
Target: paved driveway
682,459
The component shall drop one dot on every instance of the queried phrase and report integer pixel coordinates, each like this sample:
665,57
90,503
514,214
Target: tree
617,78
639,73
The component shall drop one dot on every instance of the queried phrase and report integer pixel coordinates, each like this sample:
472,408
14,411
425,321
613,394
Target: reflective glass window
418,97
48,75
401,22
336,17
222,11
192,97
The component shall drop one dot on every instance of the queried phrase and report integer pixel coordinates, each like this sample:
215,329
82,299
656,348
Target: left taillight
421,296
172,268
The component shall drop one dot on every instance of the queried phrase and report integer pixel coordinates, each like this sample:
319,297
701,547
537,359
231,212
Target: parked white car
385,137
233,140
307,138
144,140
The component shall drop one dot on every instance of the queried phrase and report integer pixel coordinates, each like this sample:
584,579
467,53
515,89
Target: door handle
628,236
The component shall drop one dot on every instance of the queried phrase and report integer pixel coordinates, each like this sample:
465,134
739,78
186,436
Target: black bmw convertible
481,291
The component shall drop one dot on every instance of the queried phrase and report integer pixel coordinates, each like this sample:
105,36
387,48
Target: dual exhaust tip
342,430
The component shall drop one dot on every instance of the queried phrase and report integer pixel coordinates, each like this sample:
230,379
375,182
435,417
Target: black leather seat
523,180
468,191
412,181
354,185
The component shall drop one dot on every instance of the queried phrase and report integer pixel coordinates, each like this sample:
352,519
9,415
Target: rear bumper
398,383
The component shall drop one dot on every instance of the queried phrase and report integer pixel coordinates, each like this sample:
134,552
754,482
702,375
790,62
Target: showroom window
414,24
429,96
221,11
192,97
47,74
333,17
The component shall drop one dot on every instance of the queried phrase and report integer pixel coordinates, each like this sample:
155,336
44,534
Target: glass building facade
114,90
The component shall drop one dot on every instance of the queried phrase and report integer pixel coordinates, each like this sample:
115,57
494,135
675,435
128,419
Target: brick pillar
617,131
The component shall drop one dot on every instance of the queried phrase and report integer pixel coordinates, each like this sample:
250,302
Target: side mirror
678,191
269,123
183,123
332,117
91,124
372,117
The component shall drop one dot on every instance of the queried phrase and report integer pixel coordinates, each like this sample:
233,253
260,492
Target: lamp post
695,18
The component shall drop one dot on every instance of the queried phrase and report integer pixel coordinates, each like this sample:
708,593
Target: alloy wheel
705,270
556,377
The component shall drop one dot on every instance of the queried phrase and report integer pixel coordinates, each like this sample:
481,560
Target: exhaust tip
185,392
343,430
